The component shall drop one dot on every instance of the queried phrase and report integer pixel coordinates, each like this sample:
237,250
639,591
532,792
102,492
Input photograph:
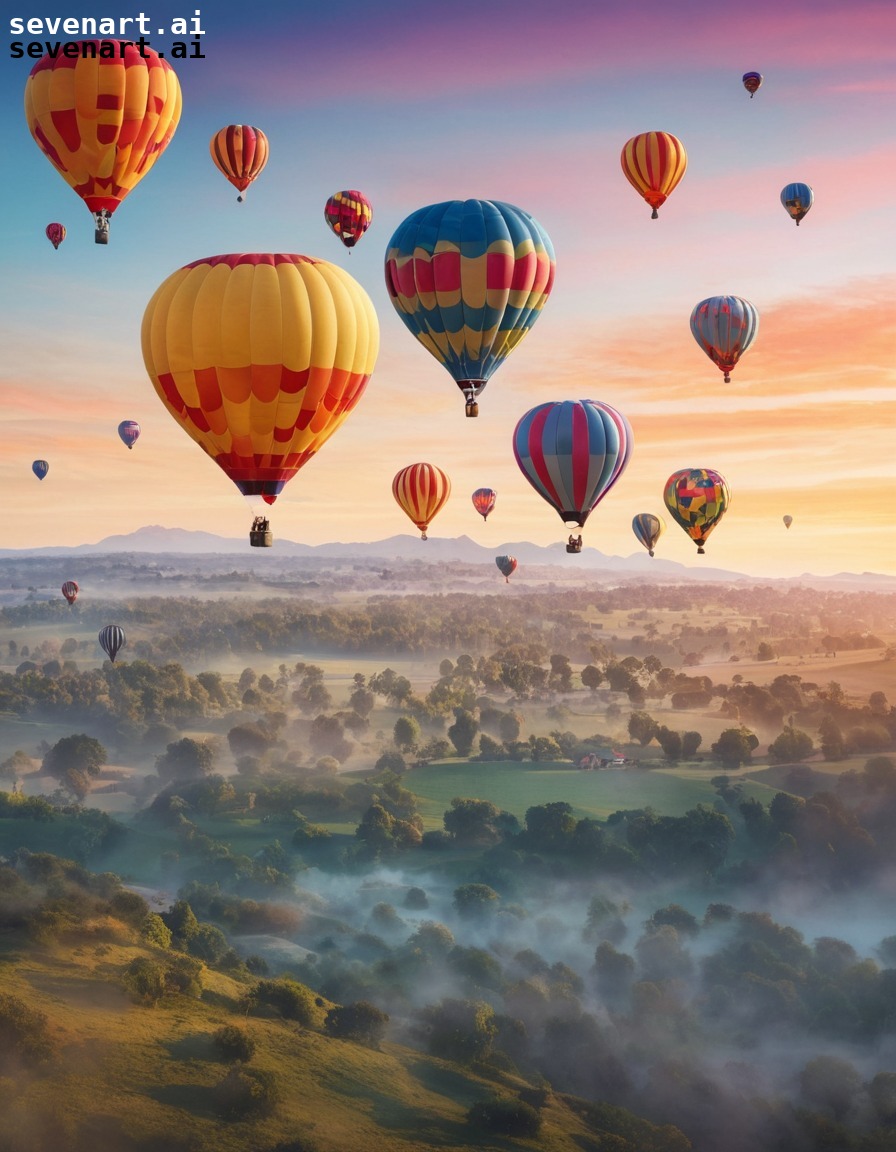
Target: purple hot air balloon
129,431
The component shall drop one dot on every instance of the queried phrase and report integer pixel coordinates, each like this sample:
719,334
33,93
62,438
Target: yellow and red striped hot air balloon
240,152
653,163
260,357
102,117
421,491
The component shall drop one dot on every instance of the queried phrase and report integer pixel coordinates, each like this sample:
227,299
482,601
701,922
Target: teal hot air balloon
648,529
724,327
797,200
469,279
40,468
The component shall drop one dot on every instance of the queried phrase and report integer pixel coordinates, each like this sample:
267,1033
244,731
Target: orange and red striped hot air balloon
240,152
421,491
654,163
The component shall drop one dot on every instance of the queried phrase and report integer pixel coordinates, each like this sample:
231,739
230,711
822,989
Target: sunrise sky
417,103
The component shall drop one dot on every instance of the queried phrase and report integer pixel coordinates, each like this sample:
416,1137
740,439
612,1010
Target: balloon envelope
260,357
70,590
697,498
40,468
129,431
469,279
240,152
112,640
484,501
349,215
421,491
797,200
752,82
648,529
55,234
572,452
506,566
654,163
724,327
788,520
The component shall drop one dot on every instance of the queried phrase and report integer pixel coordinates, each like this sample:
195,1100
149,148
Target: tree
765,652
463,731
186,759
472,821
234,1044
24,1034
505,1116
509,726
791,745
145,980
830,1083
690,742
361,1021
460,1030
833,746
670,742
79,753
245,1092
591,677
406,733
327,738
642,727
735,746
475,900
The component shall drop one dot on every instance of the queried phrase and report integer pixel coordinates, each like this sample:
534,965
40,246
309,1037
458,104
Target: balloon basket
471,408
260,534
101,232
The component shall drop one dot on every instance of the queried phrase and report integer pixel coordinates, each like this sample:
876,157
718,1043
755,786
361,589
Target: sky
530,104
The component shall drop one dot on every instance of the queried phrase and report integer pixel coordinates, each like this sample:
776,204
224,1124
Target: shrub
505,1116
362,1022
234,1044
245,1092
24,1034
293,1001
145,980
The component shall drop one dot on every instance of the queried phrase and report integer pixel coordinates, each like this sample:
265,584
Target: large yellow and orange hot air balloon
421,491
653,163
102,117
260,357
240,152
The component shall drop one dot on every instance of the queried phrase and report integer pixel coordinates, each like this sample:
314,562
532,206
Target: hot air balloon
112,640
654,163
484,501
648,529
260,357
103,117
752,82
421,491
724,327
129,431
572,452
469,279
349,215
240,152
788,520
698,499
70,591
506,566
55,234
797,199
40,468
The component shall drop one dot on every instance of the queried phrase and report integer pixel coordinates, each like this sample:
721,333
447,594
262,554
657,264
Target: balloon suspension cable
654,215
101,233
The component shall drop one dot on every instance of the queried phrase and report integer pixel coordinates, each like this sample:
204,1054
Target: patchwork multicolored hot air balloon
40,468
349,215
469,278
112,640
129,431
70,590
648,529
797,199
421,491
240,152
484,501
55,234
752,82
654,163
788,520
724,327
506,566
102,118
260,357
572,452
697,498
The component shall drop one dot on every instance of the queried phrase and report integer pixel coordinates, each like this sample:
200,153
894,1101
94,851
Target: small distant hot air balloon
103,116
112,640
349,215
572,452
469,279
788,520
797,199
724,327
484,501
752,82
648,529
506,566
240,152
654,163
697,499
421,491
129,431
70,591
55,234
40,468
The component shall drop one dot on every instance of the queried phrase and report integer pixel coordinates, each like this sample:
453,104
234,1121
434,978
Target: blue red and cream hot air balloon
654,163
484,501
40,468
129,432
349,214
112,640
240,152
102,117
70,590
648,529
506,566
797,200
260,357
55,234
752,81
697,499
421,491
572,452
724,327
469,278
